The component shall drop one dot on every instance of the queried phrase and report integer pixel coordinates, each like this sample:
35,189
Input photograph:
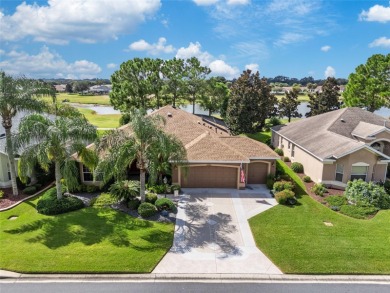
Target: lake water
302,109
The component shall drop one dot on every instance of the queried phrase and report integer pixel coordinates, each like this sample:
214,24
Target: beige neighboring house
338,146
214,156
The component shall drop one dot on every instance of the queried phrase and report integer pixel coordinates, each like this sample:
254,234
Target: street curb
11,276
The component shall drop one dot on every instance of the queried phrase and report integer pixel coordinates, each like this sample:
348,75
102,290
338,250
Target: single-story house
215,158
338,146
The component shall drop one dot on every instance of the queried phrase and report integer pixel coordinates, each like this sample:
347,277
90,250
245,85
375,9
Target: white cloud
195,50
253,67
377,13
205,2
217,66
380,42
154,49
295,7
252,50
87,21
111,65
330,72
289,38
326,48
220,68
47,64
238,2
228,2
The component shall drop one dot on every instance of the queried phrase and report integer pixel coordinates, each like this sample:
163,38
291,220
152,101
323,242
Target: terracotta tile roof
329,135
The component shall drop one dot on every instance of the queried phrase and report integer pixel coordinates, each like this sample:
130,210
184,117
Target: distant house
215,158
100,89
338,146
60,88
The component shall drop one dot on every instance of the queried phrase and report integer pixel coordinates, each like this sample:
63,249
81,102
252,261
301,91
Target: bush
358,212
151,198
146,210
279,151
38,186
306,179
336,200
297,167
286,159
1,194
270,183
386,185
159,189
125,190
165,204
319,189
283,185
30,190
104,200
175,187
133,204
285,197
367,194
125,119
48,204
274,121
91,188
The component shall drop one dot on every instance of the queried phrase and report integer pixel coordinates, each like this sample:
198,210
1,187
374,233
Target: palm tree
143,142
16,95
54,141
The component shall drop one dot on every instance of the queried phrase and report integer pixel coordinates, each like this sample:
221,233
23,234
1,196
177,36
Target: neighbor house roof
330,135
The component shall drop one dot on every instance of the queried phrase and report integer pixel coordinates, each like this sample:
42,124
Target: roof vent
342,120
199,122
169,114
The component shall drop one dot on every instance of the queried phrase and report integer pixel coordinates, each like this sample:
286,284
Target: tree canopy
325,100
369,85
288,105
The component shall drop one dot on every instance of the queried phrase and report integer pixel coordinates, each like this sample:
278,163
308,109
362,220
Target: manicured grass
301,97
89,240
101,121
260,136
83,99
297,240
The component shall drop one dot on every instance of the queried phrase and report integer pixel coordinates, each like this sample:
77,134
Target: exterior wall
4,181
380,171
175,175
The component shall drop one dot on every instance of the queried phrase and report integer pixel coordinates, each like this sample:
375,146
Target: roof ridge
234,150
196,140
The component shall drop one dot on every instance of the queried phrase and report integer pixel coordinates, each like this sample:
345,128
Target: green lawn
260,136
301,97
88,241
102,121
83,99
297,240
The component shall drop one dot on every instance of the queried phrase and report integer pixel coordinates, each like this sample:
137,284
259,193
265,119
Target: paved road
190,287
212,234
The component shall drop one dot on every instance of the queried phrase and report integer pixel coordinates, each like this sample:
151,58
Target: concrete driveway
212,234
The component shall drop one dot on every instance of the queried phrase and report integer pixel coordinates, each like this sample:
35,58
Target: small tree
288,105
213,95
325,101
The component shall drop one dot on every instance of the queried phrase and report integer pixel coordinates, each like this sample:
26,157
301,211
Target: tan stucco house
214,156
338,146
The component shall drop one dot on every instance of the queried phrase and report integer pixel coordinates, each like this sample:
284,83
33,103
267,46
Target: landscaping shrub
297,167
150,197
165,204
125,190
283,185
104,200
367,194
30,190
38,186
279,151
92,188
48,204
146,210
336,200
285,197
358,212
1,194
274,121
159,189
270,183
306,179
286,159
125,119
22,185
319,189
175,187
133,204
386,185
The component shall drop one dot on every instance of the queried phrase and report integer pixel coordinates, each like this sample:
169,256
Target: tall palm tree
16,95
143,142
54,141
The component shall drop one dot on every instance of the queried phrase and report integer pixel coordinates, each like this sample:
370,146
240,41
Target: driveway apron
212,234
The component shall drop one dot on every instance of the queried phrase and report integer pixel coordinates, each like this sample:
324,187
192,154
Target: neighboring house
100,89
214,157
60,88
338,146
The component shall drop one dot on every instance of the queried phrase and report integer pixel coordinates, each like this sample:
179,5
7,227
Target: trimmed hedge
279,151
297,167
165,204
30,190
285,197
283,185
306,179
48,204
146,210
150,198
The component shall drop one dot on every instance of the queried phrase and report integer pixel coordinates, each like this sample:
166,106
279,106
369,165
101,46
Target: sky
80,39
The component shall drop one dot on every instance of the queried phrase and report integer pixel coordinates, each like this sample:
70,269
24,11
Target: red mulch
8,198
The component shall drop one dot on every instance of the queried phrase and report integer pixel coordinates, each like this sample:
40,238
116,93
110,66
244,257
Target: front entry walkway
212,234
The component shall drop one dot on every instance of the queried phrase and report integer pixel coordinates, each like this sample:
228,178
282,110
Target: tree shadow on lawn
91,226
202,229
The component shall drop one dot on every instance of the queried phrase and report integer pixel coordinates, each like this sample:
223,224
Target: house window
289,145
359,171
292,151
339,172
87,174
281,142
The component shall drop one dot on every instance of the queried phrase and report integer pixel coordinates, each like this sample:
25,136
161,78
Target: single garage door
257,173
210,177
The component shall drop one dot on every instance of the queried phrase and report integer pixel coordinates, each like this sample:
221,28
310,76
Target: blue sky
91,38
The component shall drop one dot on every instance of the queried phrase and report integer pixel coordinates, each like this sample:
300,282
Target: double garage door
222,177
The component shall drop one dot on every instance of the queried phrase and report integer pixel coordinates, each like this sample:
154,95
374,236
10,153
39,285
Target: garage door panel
257,173
210,177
